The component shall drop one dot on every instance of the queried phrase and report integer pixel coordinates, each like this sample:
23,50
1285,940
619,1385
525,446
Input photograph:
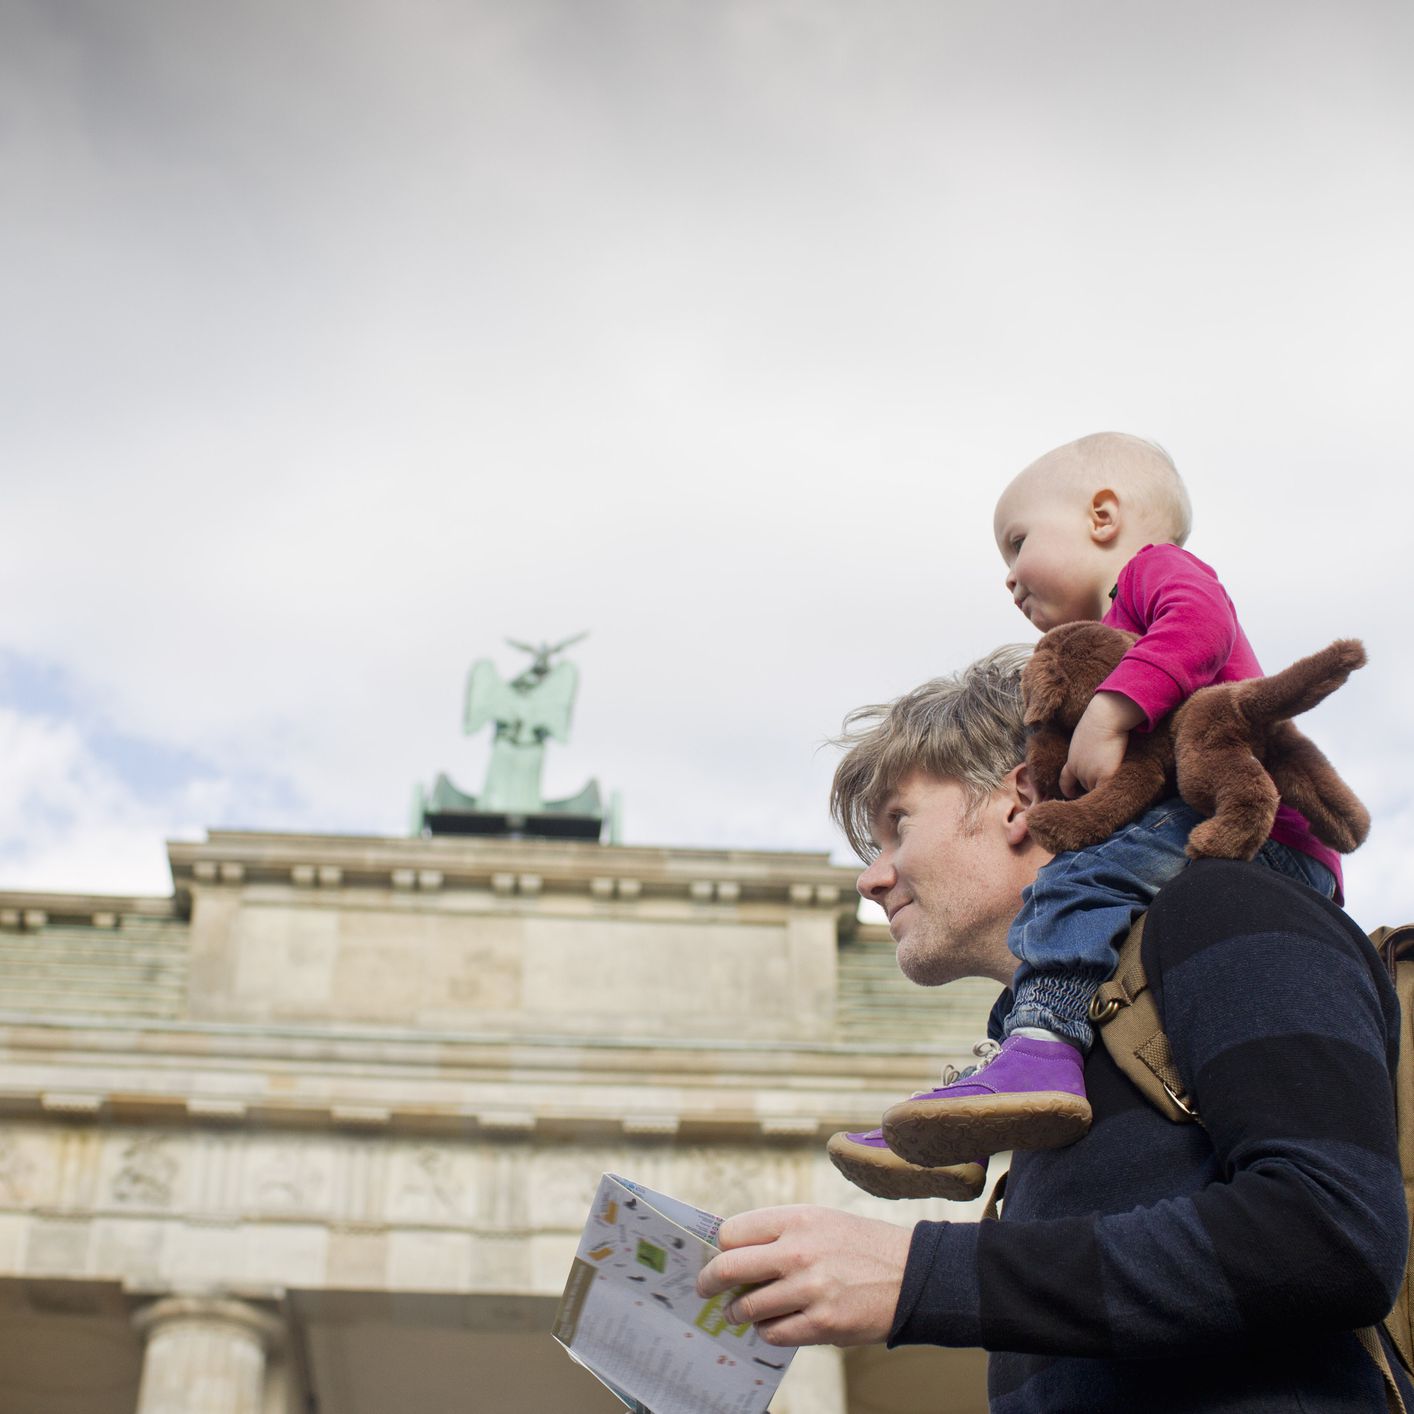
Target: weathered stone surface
204,1356
393,1071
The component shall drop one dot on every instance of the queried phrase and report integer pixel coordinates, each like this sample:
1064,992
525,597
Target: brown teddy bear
1230,748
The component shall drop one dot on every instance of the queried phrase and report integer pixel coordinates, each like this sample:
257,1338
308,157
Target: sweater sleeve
1299,1224
1187,629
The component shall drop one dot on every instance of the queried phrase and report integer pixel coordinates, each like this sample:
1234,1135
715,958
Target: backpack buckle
1101,1011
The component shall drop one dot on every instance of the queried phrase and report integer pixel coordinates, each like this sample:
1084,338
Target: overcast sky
340,341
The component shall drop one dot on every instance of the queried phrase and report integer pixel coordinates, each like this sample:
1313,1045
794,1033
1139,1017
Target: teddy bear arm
1061,825
1055,825
1046,754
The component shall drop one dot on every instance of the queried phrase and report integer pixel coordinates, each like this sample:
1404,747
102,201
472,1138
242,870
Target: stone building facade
316,1134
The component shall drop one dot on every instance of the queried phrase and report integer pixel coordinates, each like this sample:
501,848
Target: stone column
205,1355
814,1384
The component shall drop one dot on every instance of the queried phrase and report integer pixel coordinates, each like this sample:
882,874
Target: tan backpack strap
1125,1014
1369,1337
993,1210
1396,949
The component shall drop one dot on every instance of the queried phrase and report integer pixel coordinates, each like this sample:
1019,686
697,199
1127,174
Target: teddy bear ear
1042,686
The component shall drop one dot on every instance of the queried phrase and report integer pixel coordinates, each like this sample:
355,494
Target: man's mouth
895,911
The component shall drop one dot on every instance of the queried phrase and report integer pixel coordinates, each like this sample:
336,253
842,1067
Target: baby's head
1069,522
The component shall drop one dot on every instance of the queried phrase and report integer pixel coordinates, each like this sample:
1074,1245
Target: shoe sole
936,1133
884,1175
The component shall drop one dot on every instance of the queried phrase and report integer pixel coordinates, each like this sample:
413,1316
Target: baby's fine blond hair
1139,471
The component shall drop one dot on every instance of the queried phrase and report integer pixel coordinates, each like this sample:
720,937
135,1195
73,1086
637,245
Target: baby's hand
1098,743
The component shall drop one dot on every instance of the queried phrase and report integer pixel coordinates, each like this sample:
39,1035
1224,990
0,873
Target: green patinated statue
527,712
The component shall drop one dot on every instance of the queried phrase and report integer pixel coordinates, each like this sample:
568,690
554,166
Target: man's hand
1098,743
818,1277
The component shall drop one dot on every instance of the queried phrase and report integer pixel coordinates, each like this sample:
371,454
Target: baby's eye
1016,543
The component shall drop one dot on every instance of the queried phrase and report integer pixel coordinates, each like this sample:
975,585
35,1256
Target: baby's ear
1104,516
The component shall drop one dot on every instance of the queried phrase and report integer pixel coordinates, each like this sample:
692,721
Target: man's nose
876,880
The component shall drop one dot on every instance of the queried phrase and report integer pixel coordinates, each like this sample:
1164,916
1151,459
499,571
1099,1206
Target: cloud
66,822
342,341
84,809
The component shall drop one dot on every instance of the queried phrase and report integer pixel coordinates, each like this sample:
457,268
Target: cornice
230,1077
31,909
621,874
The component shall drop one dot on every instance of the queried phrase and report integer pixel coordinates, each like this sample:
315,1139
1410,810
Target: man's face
950,885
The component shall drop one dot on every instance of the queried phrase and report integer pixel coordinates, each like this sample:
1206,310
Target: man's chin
920,966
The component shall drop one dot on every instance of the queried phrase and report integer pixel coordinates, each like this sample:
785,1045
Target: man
1150,1266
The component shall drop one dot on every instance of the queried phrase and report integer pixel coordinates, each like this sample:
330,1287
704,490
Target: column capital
188,1309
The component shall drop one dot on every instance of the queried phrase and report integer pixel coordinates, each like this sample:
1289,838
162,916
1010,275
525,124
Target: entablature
509,868
229,1075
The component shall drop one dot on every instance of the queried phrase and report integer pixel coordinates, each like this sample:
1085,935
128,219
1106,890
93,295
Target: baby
1093,530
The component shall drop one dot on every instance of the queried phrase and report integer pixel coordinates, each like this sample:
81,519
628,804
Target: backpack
1126,1017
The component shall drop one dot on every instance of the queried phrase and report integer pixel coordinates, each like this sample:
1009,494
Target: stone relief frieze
147,1172
514,1188
431,1184
288,1176
562,1181
731,1180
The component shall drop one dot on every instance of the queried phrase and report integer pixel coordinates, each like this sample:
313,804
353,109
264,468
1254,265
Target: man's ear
1020,795
1104,516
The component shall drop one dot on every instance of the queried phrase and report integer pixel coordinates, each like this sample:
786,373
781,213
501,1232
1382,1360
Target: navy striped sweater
1156,1266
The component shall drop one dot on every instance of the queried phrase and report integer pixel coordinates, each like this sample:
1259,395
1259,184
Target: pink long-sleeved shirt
1189,637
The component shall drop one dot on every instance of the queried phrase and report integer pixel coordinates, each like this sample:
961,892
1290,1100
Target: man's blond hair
966,728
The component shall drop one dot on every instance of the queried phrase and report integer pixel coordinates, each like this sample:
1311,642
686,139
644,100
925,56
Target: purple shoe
1029,1094
868,1162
